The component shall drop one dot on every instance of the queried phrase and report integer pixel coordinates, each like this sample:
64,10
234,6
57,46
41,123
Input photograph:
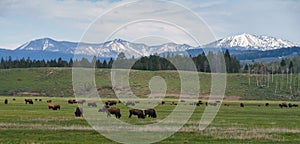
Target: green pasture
255,123
57,82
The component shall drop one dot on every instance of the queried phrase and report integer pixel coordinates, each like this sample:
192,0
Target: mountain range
47,48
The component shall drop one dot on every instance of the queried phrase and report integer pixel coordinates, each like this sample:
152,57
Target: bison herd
139,113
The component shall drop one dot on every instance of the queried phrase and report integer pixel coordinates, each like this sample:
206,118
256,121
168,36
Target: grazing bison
137,112
54,106
72,101
267,104
14,99
150,112
40,99
92,104
163,102
111,102
5,101
242,105
28,101
35,99
78,112
49,101
283,105
199,103
130,103
292,105
111,111
81,101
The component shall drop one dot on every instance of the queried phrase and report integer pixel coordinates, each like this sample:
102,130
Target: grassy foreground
21,123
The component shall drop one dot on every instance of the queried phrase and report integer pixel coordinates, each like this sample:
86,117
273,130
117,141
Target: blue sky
25,20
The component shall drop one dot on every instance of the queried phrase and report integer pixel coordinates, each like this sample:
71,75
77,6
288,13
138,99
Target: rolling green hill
57,82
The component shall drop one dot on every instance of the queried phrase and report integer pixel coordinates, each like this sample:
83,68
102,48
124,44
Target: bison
267,104
49,101
199,103
28,101
81,101
139,113
150,112
14,99
111,111
130,103
111,102
54,106
78,112
92,104
5,101
283,105
72,101
242,105
292,105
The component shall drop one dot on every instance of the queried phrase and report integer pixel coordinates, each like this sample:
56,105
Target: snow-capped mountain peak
248,41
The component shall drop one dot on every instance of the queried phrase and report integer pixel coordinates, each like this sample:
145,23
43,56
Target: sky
98,20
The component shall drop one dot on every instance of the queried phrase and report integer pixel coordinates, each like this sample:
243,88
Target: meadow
25,123
255,123
57,82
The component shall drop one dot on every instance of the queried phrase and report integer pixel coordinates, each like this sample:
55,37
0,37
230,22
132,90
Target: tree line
152,62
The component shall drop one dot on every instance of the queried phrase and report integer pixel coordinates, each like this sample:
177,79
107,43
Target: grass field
57,82
24,123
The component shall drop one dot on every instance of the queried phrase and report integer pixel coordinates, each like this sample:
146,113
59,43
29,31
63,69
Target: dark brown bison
72,101
283,105
139,113
292,105
28,101
5,101
35,99
92,104
111,111
242,105
150,112
199,103
81,101
78,112
49,101
111,102
54,106
40,99
267,104
14,99
130,103
163,102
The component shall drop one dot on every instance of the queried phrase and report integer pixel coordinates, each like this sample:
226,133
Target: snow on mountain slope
113,47
248,41
106,49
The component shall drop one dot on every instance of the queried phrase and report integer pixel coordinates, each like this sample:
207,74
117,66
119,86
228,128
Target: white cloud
67,19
